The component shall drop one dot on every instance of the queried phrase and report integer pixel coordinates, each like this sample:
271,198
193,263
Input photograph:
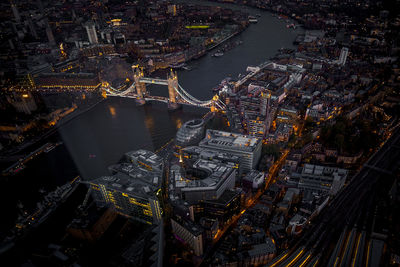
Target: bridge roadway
156,98
342,225
184,97
154,81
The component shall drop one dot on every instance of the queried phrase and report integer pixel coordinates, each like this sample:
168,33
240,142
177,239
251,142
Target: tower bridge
177,96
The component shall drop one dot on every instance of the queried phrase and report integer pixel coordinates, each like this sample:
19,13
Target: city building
190,133
22,102
223,208
148,249
319,179
91,32
291,196
287,115
134,188
253,180
343,56
256,126
15,12
190,234
296,224
92,226
247,148
265,104
67,81
202,180
196,152
261,253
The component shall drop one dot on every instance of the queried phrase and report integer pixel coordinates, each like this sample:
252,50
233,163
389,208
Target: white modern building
246,147
343,56
91,32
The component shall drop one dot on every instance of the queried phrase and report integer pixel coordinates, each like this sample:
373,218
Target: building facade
135,188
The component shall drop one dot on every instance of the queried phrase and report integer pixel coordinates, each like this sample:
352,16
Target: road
273,171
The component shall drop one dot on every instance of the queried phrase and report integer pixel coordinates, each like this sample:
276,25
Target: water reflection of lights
149,122
178,123
112,111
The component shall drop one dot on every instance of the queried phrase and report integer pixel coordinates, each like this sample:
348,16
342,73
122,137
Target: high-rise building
246,147
343,56
91,32
135,188
256,126
15,12
264,103
172,10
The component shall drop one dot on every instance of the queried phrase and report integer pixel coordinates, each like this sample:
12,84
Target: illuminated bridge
177,96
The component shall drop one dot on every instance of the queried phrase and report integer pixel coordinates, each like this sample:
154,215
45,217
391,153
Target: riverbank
226,39
37,140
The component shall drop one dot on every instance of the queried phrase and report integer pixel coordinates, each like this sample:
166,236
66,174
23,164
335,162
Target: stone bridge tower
173,95
140,86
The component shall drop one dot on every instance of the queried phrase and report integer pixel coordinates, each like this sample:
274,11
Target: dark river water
99,137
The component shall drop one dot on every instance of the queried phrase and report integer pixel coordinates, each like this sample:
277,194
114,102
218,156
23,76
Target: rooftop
136,177
215,174
231,141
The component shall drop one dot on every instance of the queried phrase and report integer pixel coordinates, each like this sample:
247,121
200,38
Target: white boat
177,65
253,19
218,54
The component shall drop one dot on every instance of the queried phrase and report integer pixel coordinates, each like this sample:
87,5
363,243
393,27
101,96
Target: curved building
190,133
202,180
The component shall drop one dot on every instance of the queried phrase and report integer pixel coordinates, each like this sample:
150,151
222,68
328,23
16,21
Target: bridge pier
173,97
140,86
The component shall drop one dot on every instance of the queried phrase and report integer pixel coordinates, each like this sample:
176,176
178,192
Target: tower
91,32
140,86
264,103
172,86
15,12
214,107
265,108
343,56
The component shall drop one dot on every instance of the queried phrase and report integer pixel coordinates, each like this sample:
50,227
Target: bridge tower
213,106
140,86
173,96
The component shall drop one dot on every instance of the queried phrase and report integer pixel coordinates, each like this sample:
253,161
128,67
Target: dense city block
200,133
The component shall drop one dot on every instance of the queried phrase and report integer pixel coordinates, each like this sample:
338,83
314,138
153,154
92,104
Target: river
99,137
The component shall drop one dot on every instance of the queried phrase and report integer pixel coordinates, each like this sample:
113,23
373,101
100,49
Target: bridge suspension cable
191,100
114,91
